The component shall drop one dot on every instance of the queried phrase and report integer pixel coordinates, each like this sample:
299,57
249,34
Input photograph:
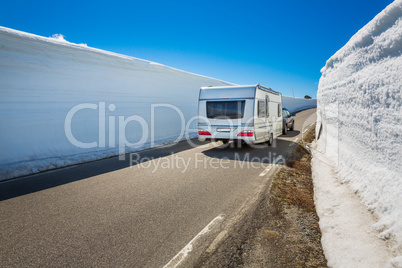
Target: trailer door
260,120
268,117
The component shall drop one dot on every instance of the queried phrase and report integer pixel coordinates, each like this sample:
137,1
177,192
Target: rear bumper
226,133
210,138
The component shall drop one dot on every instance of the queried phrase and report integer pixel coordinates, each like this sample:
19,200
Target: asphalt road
106,213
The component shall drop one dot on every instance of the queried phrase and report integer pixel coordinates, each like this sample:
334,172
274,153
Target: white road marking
270,166
189,247
293,143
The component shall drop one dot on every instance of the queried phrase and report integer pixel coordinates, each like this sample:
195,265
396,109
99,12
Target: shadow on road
261,153
53,178
49,179
291,134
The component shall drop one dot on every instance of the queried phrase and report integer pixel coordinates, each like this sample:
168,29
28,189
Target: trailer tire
240,143
270,140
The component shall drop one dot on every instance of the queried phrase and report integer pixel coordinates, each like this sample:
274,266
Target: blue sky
281,44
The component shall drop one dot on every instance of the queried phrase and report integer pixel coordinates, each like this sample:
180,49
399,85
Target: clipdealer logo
112,127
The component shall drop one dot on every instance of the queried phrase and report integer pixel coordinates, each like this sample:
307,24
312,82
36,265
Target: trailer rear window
225,109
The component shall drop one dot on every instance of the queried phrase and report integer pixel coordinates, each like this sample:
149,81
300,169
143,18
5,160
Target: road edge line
176,260
271,165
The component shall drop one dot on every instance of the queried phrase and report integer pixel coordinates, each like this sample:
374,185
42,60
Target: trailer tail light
203,132
248,133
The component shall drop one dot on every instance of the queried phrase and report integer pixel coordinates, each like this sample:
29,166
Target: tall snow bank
43,79
359,108
298,104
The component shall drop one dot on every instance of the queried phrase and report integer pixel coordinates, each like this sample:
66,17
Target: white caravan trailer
251,114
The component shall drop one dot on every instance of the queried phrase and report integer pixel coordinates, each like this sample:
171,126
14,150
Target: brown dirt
284,230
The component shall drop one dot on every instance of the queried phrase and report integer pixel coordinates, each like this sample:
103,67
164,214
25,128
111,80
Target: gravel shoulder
283,231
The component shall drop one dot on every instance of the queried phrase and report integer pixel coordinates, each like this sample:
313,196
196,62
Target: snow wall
43,79
295,105
359,117
48,85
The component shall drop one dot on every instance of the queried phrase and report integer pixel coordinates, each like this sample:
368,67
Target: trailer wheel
240,143
271,140
285,129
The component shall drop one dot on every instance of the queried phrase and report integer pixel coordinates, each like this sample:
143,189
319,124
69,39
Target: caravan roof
240,92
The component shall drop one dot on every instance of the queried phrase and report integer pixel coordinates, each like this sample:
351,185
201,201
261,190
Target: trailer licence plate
223,129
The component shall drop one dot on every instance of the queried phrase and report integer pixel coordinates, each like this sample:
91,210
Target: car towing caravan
250,114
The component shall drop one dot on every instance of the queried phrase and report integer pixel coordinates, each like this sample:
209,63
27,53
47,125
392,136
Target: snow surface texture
42,79
360,120
298,104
